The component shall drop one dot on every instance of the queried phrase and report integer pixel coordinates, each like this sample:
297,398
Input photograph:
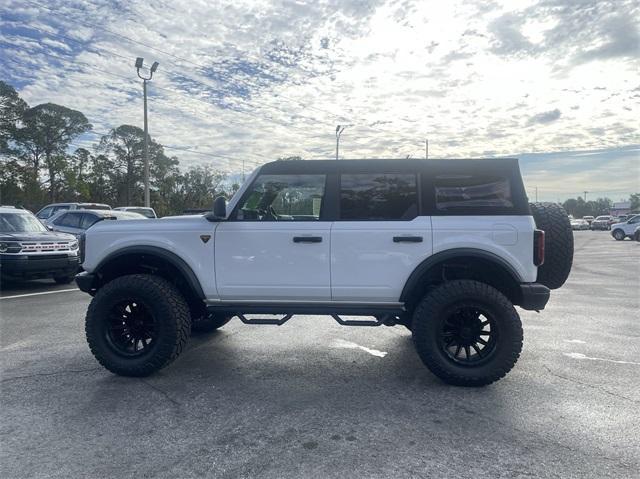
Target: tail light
538,247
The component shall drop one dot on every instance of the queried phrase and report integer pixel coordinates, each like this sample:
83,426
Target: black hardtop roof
467,165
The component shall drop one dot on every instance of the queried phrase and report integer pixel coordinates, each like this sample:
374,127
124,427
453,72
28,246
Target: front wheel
619,235
467,333
137,324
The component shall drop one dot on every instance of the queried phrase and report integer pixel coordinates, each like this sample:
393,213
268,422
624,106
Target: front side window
378,196
468,192
284,198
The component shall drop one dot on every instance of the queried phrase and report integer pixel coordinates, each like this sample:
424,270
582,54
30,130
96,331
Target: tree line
40,165
578,207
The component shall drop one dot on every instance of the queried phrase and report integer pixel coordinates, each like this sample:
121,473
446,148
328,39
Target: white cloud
258,80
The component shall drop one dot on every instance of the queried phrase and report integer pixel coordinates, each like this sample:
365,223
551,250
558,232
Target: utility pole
339,130
536,194
585,196
426,149
243,170
154,67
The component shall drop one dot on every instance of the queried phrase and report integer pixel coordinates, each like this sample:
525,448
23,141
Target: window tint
45,213
378,196
88,220
284,198
71,220
472,192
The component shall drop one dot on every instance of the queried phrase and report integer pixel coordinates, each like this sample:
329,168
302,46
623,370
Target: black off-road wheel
208,323
558,243
137,324
467,333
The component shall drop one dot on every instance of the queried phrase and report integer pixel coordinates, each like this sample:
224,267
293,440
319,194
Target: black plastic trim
437,258
293,308
172,258
533,296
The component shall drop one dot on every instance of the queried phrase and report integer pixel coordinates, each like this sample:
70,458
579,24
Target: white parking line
39,294
582,356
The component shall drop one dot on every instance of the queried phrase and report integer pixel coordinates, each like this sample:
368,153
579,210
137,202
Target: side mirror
220,207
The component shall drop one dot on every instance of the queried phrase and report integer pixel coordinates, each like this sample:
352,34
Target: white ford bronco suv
443,247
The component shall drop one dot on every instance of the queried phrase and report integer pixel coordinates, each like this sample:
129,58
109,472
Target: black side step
387,320
276,322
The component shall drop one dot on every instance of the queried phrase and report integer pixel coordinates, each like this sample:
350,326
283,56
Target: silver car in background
77,222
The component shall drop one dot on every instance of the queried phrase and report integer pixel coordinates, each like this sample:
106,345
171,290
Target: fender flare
433,260
162,253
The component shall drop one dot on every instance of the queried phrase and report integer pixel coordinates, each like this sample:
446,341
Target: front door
275,245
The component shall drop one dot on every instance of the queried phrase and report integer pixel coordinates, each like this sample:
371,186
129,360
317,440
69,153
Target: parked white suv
624,230
444,247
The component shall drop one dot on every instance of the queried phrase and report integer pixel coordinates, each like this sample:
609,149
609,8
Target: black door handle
407,239
307,239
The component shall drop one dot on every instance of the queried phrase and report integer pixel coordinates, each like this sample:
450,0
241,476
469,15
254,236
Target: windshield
20,223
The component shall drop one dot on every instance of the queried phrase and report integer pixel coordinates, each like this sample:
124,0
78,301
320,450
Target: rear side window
88,220
472,193
378,196
71,220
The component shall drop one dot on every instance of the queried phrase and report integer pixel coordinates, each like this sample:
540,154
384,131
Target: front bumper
533,296
29,266
87,282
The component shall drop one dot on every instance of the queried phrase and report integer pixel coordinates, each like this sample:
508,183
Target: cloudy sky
554,82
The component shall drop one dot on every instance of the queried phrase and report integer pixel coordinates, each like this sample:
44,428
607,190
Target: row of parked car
621,227
45,245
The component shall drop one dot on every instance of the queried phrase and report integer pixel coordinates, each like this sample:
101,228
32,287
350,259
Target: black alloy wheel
468,335
131,328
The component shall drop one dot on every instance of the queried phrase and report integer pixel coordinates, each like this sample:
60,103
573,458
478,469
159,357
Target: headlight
73,245
10,247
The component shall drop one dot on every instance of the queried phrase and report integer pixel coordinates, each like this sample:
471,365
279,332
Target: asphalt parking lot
314,399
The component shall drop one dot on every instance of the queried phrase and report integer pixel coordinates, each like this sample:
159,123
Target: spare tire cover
558,243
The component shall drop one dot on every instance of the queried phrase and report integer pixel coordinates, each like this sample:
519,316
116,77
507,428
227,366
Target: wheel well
150,263
476,268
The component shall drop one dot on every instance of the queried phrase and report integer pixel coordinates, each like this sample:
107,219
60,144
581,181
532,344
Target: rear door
275,245
380,235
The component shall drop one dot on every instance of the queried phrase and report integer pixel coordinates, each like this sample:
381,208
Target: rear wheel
467,333
137,324
618,235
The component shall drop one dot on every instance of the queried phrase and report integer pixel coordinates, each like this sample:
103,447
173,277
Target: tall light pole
154,67
585,196
426,149
339,130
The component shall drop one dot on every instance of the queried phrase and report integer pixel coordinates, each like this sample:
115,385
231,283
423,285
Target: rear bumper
35,266
533,296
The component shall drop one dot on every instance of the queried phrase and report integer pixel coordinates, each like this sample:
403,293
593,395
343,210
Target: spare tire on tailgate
558,243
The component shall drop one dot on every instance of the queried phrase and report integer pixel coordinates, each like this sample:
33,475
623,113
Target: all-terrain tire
434,311
165,305
208,323
558,243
